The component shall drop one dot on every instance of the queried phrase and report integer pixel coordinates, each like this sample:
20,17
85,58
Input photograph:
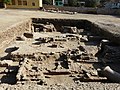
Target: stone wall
58,23
109,32
72,9
108,11
84,10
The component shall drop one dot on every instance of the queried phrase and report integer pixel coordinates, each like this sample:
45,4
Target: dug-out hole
80,31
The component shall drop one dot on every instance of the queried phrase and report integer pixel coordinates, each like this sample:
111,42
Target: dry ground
10,17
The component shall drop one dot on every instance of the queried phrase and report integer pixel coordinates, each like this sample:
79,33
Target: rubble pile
48,27
59,11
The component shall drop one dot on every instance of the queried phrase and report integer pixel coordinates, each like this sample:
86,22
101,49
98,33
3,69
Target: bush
7,1
72,2
91,3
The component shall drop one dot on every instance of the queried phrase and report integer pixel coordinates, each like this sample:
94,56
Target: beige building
28,4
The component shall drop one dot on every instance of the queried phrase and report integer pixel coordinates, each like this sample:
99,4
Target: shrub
7,1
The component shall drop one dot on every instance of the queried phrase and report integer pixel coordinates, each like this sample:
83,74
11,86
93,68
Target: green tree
102,2
72,2
91,3
47,2
88,3
7,1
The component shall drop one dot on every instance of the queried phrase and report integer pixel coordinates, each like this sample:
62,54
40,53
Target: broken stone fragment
28,35
58,72
44,27
53,46
88,50
19,39
72,75
69,29
37,43
88,75
48,39
68,12
81,48
74,12
84,39
49,28
42,82
21,72
72,39
37,57
11,49
95,38
85,57
111,74
44,40
94,72
60,39
103,43
6,63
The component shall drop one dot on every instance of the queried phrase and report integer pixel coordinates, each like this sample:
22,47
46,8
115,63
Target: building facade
60,2
113,4
28,4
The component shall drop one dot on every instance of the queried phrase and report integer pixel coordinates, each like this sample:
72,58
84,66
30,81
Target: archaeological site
59,54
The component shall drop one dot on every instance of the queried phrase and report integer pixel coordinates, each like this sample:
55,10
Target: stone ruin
45,55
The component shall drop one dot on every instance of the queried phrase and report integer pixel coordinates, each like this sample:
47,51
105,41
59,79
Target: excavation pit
57,51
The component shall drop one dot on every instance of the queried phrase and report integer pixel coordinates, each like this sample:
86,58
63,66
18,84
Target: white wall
40,3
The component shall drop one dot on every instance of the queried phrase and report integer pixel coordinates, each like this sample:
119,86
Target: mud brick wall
10,33
106,31
58,23
109,32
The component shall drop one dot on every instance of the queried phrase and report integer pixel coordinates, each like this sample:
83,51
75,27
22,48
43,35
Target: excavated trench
61,51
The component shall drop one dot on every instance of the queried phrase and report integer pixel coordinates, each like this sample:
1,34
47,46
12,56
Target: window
33,4
13,2
24,2
19,2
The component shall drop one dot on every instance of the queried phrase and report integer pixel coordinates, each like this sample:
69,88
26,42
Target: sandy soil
10,17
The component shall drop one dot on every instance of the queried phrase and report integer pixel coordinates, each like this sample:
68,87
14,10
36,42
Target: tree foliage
88,3
7,1
47,2
72,2
91,3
